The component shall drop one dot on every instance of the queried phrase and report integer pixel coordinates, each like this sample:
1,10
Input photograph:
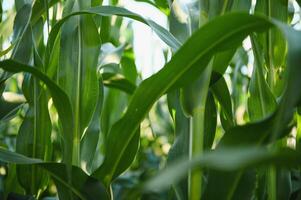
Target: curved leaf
118,81
227,160
192,57
109,11
59,97
81,185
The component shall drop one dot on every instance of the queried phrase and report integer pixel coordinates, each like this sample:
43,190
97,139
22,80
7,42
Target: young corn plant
220,120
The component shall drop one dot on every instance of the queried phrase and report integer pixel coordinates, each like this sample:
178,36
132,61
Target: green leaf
274,45
226,159
109,11
34,136
39,8
113,80
210,121
8,109
192,58
81,185
34,140
222,95
180,147
60,100
22,35
93,137
261,102
271,128
77,71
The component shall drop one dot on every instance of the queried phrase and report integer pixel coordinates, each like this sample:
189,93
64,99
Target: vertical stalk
271,76
197,124
271,183
76,139
196,148
35,102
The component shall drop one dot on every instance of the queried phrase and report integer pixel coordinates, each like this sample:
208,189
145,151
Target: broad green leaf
228,160
271,128
60,100
34,140
274,45
92,137
261,102
192,57
34,136
77,69
81,186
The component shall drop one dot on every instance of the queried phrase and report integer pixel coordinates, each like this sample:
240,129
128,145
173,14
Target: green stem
197,124
196,148
271,183
77,134
272,170
33,167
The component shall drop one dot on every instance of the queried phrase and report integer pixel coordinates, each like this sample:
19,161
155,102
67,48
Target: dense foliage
220,120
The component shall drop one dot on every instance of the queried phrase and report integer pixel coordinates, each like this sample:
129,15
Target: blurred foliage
218,121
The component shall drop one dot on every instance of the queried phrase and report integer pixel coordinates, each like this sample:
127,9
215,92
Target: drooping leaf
275,125
59,97
109,11
228,160
81,186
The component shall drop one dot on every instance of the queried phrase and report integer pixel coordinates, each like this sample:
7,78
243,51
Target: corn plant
220,120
